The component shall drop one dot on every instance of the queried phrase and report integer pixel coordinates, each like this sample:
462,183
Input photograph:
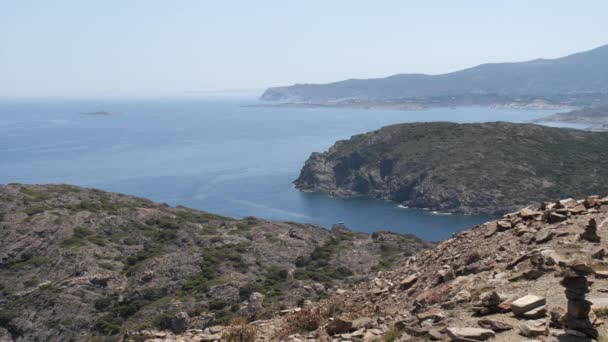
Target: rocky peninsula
488,168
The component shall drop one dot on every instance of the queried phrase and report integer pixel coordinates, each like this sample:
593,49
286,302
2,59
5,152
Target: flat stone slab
527,303
467,334
536,313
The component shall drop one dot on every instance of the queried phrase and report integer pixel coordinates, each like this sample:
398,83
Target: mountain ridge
581,73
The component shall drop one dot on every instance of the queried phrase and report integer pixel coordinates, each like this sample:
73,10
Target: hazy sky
154,47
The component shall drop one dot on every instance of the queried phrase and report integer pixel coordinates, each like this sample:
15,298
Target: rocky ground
82,264
536,274
488,168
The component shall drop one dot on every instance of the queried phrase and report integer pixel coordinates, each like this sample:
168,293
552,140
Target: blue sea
213,154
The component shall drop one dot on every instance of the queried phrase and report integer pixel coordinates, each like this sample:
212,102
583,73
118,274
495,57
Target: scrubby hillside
536,274
77,263
484,168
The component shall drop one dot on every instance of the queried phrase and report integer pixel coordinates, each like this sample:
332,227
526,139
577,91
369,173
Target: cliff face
485,168
77,263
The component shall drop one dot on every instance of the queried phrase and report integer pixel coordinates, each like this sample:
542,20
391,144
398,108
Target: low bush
239,331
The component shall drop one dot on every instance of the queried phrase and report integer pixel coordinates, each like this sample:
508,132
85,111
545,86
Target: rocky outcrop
489,168
470,288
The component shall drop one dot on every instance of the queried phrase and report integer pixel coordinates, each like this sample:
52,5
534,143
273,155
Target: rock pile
577,319
590,233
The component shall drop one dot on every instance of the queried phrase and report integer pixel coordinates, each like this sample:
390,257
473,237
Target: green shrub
83,235
31,282
197,284
150,250
106,266
103,303
26,260
392,335
108,325
217,304
6,316
31,211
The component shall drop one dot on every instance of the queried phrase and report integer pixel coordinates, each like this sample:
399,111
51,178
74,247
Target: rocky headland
487,168
595,117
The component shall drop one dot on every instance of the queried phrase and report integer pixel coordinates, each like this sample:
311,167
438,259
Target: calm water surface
213,154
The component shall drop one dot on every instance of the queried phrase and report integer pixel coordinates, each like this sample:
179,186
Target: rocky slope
536,274
484,168
580,75
82,264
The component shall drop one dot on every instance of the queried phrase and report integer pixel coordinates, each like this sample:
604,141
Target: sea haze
213,154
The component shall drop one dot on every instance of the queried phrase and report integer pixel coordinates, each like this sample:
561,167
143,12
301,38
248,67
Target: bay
213,154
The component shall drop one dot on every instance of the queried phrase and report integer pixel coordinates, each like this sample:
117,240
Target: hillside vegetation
81,263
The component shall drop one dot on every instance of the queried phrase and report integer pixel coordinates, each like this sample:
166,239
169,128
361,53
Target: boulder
434,315
528,213
339,326
543,235
526,303
551,257
494,325
468,334
591,201
536,313
601,274
443,276
534,328
599,253
555,217
408,281
503,225
362,322
557,315
177,323
489,299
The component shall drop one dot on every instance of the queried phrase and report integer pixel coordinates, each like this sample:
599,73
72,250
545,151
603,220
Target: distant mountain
582,74
489,168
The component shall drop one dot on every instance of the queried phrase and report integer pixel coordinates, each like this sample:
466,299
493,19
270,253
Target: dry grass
239,331
308,319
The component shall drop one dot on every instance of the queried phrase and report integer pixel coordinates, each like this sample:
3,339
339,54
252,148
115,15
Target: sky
190,47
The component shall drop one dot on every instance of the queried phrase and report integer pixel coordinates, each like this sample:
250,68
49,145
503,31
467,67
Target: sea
216,154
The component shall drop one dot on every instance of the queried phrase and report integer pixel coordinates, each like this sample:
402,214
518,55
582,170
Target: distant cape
580,75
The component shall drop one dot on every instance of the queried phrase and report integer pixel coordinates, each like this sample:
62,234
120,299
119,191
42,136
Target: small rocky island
488,168
99,112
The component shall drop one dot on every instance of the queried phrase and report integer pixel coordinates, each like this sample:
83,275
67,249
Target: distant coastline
413,105
99,113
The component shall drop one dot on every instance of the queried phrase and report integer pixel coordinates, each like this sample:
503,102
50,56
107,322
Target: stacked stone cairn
590,233
576,320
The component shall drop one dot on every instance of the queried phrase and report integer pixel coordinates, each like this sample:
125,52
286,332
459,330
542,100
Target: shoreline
409,107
